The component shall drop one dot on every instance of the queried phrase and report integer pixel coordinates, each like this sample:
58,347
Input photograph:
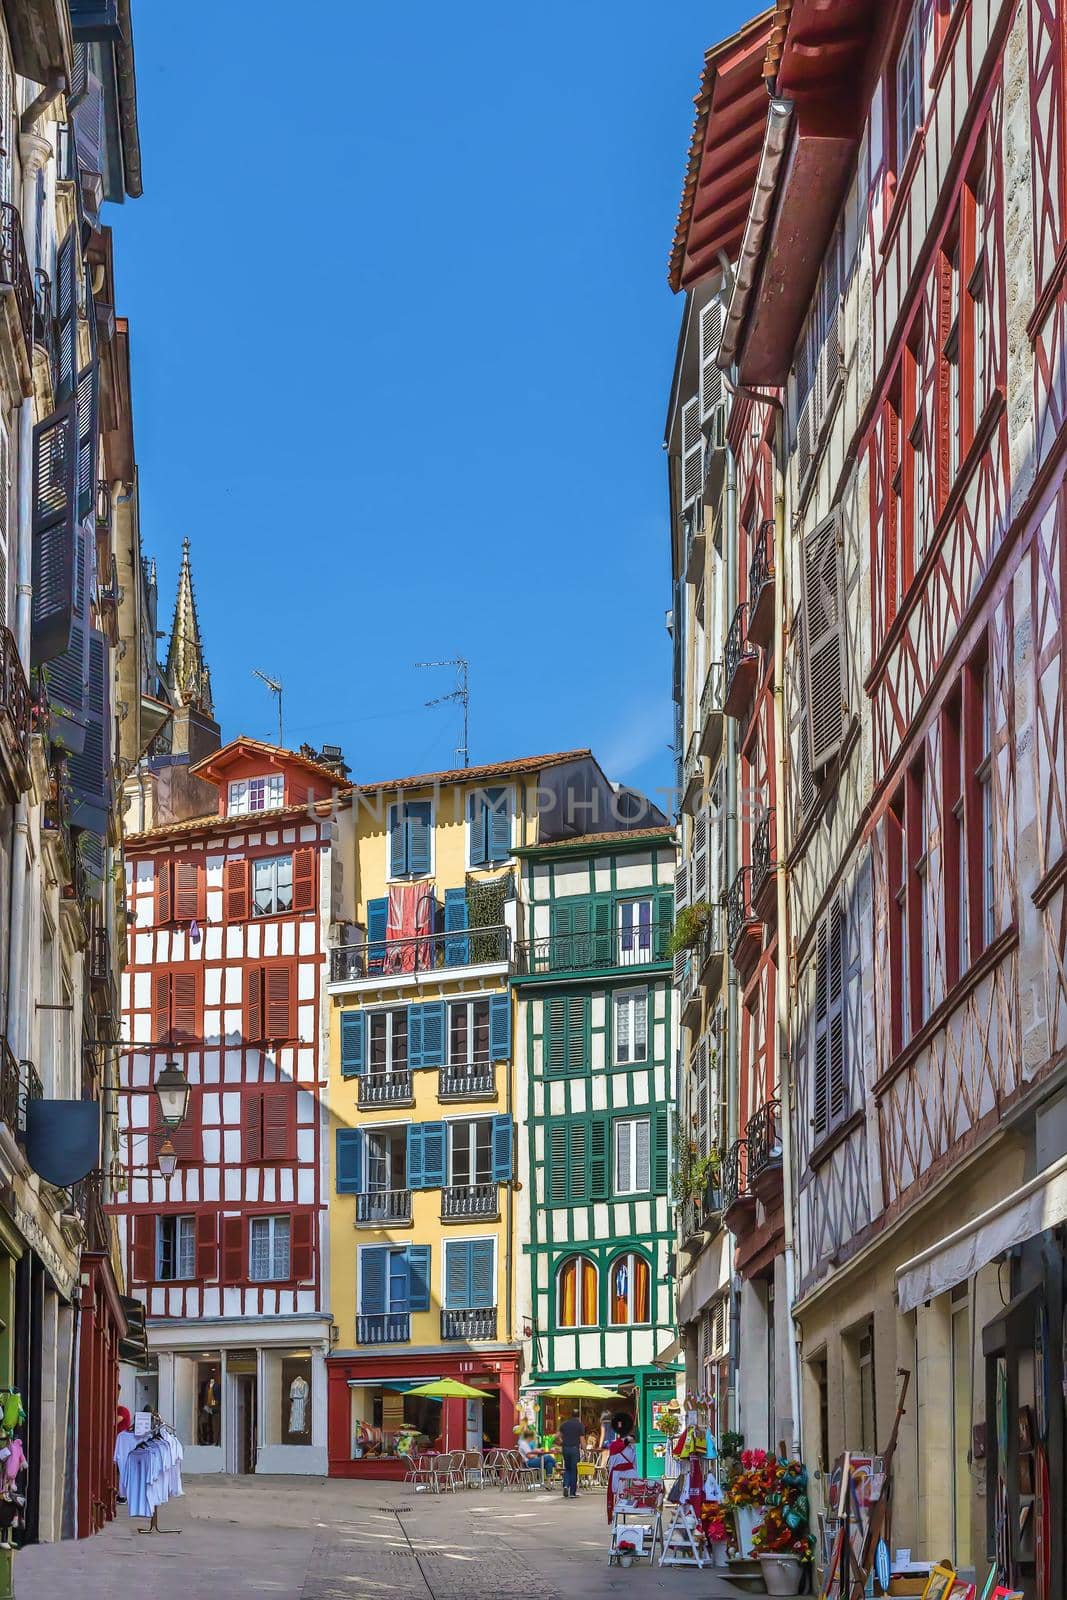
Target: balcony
87,1203
703,969
46,349
465,1202
386,1089
738,1202
387,1327
711,698
15,716
764,1138
377,1208
475,1324
740,666
16,295
582,952
699,1216
396,960
763,867
100,973
761,587
692,774
467,1080
694,544
690,993
744,934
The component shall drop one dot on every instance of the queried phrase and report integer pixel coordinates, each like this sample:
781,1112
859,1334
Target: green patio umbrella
582,1389
449,1389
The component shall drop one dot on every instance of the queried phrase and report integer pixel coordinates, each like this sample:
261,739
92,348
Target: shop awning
1021,1215
401,1385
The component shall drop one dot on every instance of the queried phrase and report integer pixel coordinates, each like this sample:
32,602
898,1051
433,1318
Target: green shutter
556,1037
600,1156
556,1177
660,1150
603,933
663,911
579,1048
577,1159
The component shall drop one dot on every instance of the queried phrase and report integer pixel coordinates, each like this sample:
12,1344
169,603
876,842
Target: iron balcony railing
576,952
385,1088
735,1174
764,1139
384,1206
10,1087
426,952
44,318
738,907
762,852
711,693
475,1324
87,1199
690,1217
761,567
15,270
464,1080
386,1327
738,650
469,1200
17,701
100,958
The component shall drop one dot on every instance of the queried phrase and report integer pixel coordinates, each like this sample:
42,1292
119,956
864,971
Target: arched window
629,1299
577,1293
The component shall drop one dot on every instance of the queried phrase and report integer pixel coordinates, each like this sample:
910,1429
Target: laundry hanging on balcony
412,909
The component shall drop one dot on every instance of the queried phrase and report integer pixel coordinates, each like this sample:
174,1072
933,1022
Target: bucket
719,1556
782,1573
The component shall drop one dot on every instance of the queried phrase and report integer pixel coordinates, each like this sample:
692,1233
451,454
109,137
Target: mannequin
298,1399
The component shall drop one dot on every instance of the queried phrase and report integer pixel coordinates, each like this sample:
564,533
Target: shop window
296,1400
576,1304
208,1421
629,1291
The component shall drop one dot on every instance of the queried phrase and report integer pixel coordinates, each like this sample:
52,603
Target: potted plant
627,1549
717,1530
782,1551
690,926
749,1491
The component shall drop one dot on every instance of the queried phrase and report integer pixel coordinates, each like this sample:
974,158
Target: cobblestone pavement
319,1539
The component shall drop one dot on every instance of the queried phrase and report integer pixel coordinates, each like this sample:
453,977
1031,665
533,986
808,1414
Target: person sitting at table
532,1457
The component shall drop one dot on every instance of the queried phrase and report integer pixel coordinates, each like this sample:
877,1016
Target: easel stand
681,1543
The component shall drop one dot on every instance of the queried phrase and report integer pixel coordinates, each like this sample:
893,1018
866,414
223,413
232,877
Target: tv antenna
461,694
275,687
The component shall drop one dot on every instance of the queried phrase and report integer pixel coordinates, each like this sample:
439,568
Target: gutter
779,124
126,80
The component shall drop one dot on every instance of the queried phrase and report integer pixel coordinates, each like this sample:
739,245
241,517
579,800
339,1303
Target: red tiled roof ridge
280,752
212,822
494,769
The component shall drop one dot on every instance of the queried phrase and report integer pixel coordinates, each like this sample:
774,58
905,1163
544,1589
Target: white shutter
692,451
822,561
681,887
711,391
703,1103
717,1332
700,855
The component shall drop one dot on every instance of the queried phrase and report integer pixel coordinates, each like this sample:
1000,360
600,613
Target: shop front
101,1326
373,1415
646,1392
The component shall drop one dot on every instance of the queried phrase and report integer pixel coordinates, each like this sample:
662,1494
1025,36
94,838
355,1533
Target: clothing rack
160,1431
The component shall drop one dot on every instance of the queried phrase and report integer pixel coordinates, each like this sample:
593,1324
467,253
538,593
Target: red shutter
184,1008
144,1248
160,1007
252,1126
944,379
893,553
236,890
207,1245
163,870
278,1002
304,880
233,1250
279,1126
187,891
302,1246
254,1003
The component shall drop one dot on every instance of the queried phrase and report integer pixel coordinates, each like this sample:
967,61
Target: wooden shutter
348,1161
352,1034
397,842
377,927
144,1247
499,1027
55,457
418,1258
663,913
824,639
603,932
278,985
458,1274
820,1098
234,1269
415,1163
279,1125
254,1003
503,1135
186,886
373,1265
660,1150
304,880
477,828
555,1043
499,829
252,1126
692,451
433,1033
302,1246
91,768
600,1157
188,1139
701,829
207,1246
237,890
417,823
415,1036
577,1032
89,124
457,951
88,405
184,1008
577,1159
66,315
556,1177
711,324
944,377
160,1007
434,1154
163,892
482,1286
837,1086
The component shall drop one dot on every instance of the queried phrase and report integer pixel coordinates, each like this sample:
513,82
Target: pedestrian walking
571,1433
622,1457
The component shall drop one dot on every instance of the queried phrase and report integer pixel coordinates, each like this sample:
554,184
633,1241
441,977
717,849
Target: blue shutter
434,1146
476,824
499,1027
499,823
418,1277
482,1286
457,951
372,1269
416,1179
417,814
415,1036
502,1142
458,1275
348,1164
433,1033
351,1044
377,924
397,842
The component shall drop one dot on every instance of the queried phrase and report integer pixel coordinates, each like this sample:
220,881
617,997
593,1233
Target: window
176,1248
953,831
272,885
868,1412
386,1160
394,1279
268,1125
488,826
951,422
628,1292
898,922
633,1167
470,1274
268,1252
909,83
576,1293
269,1003
918,902
176,1005
917,523
468,1032
470,1152
829,1091
978,800
631,1026
256,794
974,268
388,1032
410,833
634,922
179,892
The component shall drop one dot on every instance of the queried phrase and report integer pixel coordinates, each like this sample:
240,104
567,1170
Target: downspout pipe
729,545
56,85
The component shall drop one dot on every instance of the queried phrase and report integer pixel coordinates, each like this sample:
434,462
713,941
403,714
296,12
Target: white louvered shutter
703,1104
692,451
711,389
824,638
717,1340
681,887
700,855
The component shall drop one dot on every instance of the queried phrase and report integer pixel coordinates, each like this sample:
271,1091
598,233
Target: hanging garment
141,1465
123,1445
14,1412
412,909
298,1399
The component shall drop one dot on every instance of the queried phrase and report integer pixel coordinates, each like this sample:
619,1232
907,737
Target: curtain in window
629,1290
259,1237
635,925
577,1292
186,1266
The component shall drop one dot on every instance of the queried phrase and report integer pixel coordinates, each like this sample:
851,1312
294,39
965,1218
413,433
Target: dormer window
256,794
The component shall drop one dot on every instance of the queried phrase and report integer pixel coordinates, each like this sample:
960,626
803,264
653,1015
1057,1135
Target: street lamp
172,1092
167,1159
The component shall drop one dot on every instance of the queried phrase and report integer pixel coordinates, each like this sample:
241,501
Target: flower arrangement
756,1481
626,1547
714,1517
774,1536
783,1528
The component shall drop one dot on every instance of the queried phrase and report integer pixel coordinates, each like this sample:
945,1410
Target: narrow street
319,1539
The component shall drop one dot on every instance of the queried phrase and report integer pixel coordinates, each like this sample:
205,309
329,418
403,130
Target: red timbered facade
228,916
900,285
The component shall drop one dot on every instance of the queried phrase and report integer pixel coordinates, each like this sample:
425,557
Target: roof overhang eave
760,214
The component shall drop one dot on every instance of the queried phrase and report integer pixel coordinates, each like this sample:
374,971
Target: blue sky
401,341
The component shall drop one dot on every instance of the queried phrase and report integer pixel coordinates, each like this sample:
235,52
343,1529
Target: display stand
683,1540
148,1430
638,1517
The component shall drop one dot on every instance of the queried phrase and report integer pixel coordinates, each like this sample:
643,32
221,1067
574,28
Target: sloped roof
494,769
249,821
276,751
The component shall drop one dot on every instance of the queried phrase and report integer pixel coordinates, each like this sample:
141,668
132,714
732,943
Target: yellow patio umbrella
582,1389
449,1389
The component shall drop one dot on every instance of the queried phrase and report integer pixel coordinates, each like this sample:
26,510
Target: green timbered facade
596,1038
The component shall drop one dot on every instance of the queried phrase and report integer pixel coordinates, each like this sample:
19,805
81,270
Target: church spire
187,673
